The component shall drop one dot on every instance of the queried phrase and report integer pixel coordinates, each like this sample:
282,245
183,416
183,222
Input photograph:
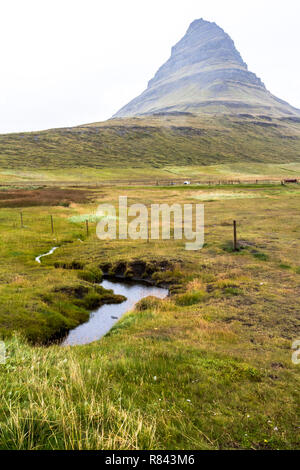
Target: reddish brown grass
43,197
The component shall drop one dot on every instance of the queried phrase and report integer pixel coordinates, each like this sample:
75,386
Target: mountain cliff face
206,74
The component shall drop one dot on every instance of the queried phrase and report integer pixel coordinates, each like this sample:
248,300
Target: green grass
207,368
215,174
154,143
190,298
78,219
261,256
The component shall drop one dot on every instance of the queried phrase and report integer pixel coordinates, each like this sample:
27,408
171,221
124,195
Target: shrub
148,303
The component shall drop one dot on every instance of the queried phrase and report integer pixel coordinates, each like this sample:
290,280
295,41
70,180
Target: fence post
52,228
21,214
148,230
234,236
87,227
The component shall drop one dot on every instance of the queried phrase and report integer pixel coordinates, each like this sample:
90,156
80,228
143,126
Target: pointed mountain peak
201,23
205,74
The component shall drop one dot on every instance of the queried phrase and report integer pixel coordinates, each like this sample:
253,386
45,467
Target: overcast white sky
68,62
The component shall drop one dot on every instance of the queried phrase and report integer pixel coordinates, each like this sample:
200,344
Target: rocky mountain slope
206,74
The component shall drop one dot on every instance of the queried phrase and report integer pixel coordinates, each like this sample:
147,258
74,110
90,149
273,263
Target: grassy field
91,177
207,368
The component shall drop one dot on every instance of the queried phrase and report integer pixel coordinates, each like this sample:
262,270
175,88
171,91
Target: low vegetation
153,143
207,368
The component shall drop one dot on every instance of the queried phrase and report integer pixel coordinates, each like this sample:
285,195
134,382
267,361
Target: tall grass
208,368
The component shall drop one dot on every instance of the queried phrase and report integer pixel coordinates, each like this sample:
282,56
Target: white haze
69,62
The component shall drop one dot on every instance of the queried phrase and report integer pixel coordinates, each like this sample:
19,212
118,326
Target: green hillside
157,141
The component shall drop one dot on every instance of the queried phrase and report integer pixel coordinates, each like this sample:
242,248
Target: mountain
203,107
206,74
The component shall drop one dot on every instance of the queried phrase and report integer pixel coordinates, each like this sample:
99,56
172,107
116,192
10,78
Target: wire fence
148,182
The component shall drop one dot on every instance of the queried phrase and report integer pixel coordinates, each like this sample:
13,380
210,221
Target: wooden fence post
21,215
52,228
148,230
234,236
87,227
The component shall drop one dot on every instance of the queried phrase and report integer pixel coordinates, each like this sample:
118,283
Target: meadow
207,368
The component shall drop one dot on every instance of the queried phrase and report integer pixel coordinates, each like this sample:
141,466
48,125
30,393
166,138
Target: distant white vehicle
187,182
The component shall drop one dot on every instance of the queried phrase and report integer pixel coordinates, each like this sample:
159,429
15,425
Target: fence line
168,182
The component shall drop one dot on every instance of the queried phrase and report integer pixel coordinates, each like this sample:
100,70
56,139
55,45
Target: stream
103,319
38,258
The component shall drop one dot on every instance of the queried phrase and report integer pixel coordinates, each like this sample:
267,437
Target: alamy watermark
137,222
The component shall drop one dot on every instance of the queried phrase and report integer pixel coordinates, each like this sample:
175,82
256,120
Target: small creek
38,258
103,319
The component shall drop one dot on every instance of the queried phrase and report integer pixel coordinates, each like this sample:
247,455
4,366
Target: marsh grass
208,368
